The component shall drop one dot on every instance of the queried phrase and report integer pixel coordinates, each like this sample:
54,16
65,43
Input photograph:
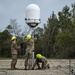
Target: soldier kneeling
43,60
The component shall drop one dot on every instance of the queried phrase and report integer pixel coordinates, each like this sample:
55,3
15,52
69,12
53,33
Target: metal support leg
32,59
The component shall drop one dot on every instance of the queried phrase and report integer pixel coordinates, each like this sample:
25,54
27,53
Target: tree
13,27
73,11
64,43
65,19
38,31
50,32
5,43
45,43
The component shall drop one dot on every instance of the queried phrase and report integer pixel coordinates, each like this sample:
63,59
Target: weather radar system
32,15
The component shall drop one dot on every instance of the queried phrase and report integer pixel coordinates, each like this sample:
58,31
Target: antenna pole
33,50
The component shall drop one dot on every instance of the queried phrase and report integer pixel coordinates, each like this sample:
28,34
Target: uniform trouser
28,60
44,65
14,60
36,63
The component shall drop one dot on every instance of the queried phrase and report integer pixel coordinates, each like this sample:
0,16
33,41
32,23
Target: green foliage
13,28
5,43
58,39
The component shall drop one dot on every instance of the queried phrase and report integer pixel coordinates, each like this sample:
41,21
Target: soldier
14,52
43,60
29,50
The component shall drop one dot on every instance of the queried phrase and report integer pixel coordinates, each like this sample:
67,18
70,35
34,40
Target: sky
15,9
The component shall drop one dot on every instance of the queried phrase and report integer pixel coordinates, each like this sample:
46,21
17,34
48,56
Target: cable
69,68
21,62
60,61
59,69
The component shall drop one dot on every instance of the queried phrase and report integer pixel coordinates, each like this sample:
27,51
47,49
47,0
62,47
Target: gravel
57,67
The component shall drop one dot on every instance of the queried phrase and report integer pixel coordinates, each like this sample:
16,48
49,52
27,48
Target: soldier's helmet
28,37
13,37
39,56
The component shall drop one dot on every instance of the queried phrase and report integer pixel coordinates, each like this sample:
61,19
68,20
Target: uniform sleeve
15,46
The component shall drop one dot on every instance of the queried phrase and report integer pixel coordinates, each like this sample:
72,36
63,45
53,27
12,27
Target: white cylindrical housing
32,14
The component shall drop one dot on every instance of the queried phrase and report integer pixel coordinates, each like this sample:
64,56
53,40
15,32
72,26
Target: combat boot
25,67
12,68
15,68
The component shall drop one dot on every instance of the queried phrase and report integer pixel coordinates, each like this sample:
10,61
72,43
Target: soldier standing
14,52
29,50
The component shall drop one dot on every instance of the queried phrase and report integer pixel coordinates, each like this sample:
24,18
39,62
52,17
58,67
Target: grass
3,58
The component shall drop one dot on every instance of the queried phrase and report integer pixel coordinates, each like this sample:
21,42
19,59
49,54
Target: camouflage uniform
44,62
28,54
14,52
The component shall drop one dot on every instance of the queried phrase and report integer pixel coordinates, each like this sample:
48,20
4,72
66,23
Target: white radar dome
32,15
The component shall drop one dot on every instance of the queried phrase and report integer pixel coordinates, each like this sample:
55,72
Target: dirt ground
57,67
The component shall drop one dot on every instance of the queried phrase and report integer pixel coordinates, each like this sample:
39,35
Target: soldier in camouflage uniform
29,50
14,52
43,60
